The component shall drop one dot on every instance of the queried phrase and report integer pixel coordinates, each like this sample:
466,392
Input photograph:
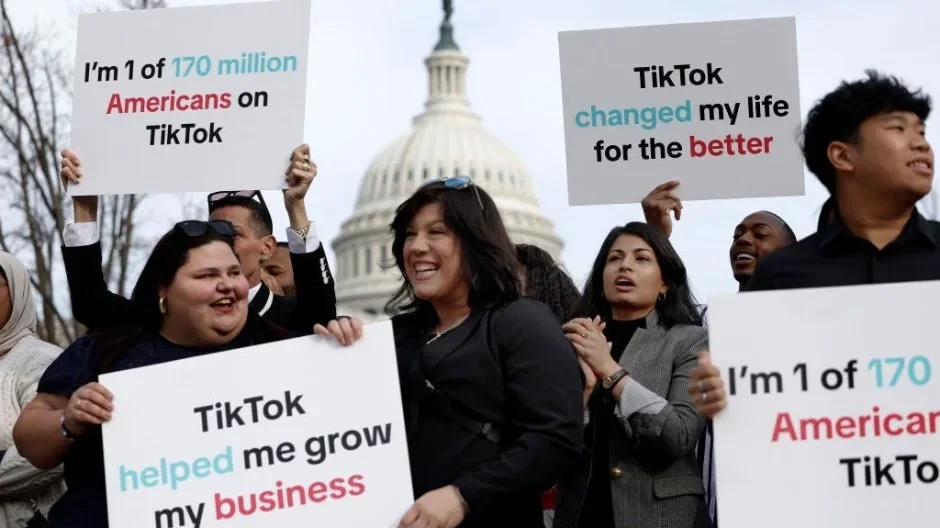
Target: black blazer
99,309
510,366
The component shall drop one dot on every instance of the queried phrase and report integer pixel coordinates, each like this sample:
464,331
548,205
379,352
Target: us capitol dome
447,139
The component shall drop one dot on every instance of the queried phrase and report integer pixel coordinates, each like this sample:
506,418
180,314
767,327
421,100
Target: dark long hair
546,282
144,317
678,307
488,261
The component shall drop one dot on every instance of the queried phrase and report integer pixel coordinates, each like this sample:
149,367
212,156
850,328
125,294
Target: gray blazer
654,476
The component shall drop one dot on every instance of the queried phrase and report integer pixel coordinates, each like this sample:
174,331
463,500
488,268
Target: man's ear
842,156
269,245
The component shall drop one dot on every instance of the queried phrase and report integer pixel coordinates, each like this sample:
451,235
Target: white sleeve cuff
636,398
80,234
303,245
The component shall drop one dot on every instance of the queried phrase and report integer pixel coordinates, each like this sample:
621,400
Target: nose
626,264
921,143
226,284
419,243
744,240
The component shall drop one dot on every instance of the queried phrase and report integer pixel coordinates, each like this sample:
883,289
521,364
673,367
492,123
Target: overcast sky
367,80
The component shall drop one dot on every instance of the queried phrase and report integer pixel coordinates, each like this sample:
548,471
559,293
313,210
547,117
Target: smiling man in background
758,235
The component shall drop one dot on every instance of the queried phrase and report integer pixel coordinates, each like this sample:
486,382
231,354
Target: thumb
410,517
704,357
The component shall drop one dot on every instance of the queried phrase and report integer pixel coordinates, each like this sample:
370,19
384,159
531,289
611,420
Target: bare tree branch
35,91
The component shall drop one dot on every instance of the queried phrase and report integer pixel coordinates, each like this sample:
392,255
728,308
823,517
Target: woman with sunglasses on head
637,336
190,299
490,386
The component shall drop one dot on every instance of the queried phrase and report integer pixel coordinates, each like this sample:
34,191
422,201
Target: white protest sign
833,414
295,433
714,105
189,99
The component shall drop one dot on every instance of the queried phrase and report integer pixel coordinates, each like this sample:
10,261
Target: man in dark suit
315,300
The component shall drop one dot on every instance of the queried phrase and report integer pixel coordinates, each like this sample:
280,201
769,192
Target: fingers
91,410
346,330
578,326
97,387
301,151
410,517
336,331
357,327
349,335
70,155
710,410
668,186
71,171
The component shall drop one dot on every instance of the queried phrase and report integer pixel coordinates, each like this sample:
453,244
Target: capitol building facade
446,139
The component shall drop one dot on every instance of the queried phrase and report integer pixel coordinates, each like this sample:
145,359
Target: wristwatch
609,381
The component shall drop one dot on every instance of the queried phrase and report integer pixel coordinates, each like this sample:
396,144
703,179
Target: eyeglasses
456,183
198,228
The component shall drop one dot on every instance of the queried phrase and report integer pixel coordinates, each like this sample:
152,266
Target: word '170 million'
247,63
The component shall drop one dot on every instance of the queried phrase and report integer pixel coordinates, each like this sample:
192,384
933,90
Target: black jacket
511,367
100,310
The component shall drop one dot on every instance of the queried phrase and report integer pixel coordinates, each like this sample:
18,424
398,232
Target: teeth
744,256
921,164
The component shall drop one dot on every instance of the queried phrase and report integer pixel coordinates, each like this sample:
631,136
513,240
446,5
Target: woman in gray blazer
637,334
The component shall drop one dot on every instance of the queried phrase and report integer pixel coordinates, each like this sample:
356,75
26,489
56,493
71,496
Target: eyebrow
898,117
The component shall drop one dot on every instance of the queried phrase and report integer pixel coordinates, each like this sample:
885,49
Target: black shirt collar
917,232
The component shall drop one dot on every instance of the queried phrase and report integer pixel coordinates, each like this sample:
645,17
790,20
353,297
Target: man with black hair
279,268
315,301
866,143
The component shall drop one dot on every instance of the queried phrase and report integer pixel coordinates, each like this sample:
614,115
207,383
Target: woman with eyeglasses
190,299
637,335
490,387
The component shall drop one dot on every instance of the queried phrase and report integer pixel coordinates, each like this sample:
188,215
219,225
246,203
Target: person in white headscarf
25,491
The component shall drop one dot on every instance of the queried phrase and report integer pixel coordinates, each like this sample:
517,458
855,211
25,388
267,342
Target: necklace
439,334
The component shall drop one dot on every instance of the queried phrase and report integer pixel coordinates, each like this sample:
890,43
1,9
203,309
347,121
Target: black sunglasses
229,196
198,228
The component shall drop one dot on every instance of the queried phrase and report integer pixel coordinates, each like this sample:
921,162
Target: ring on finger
701,385
306,166
704,396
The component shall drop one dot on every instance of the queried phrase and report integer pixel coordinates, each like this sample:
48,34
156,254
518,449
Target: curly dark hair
546,282
838,115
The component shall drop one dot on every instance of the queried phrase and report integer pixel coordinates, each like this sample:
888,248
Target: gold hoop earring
162,305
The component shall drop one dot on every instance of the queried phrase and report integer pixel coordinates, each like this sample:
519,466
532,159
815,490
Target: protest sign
189,99
301,432
833,412
714,105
